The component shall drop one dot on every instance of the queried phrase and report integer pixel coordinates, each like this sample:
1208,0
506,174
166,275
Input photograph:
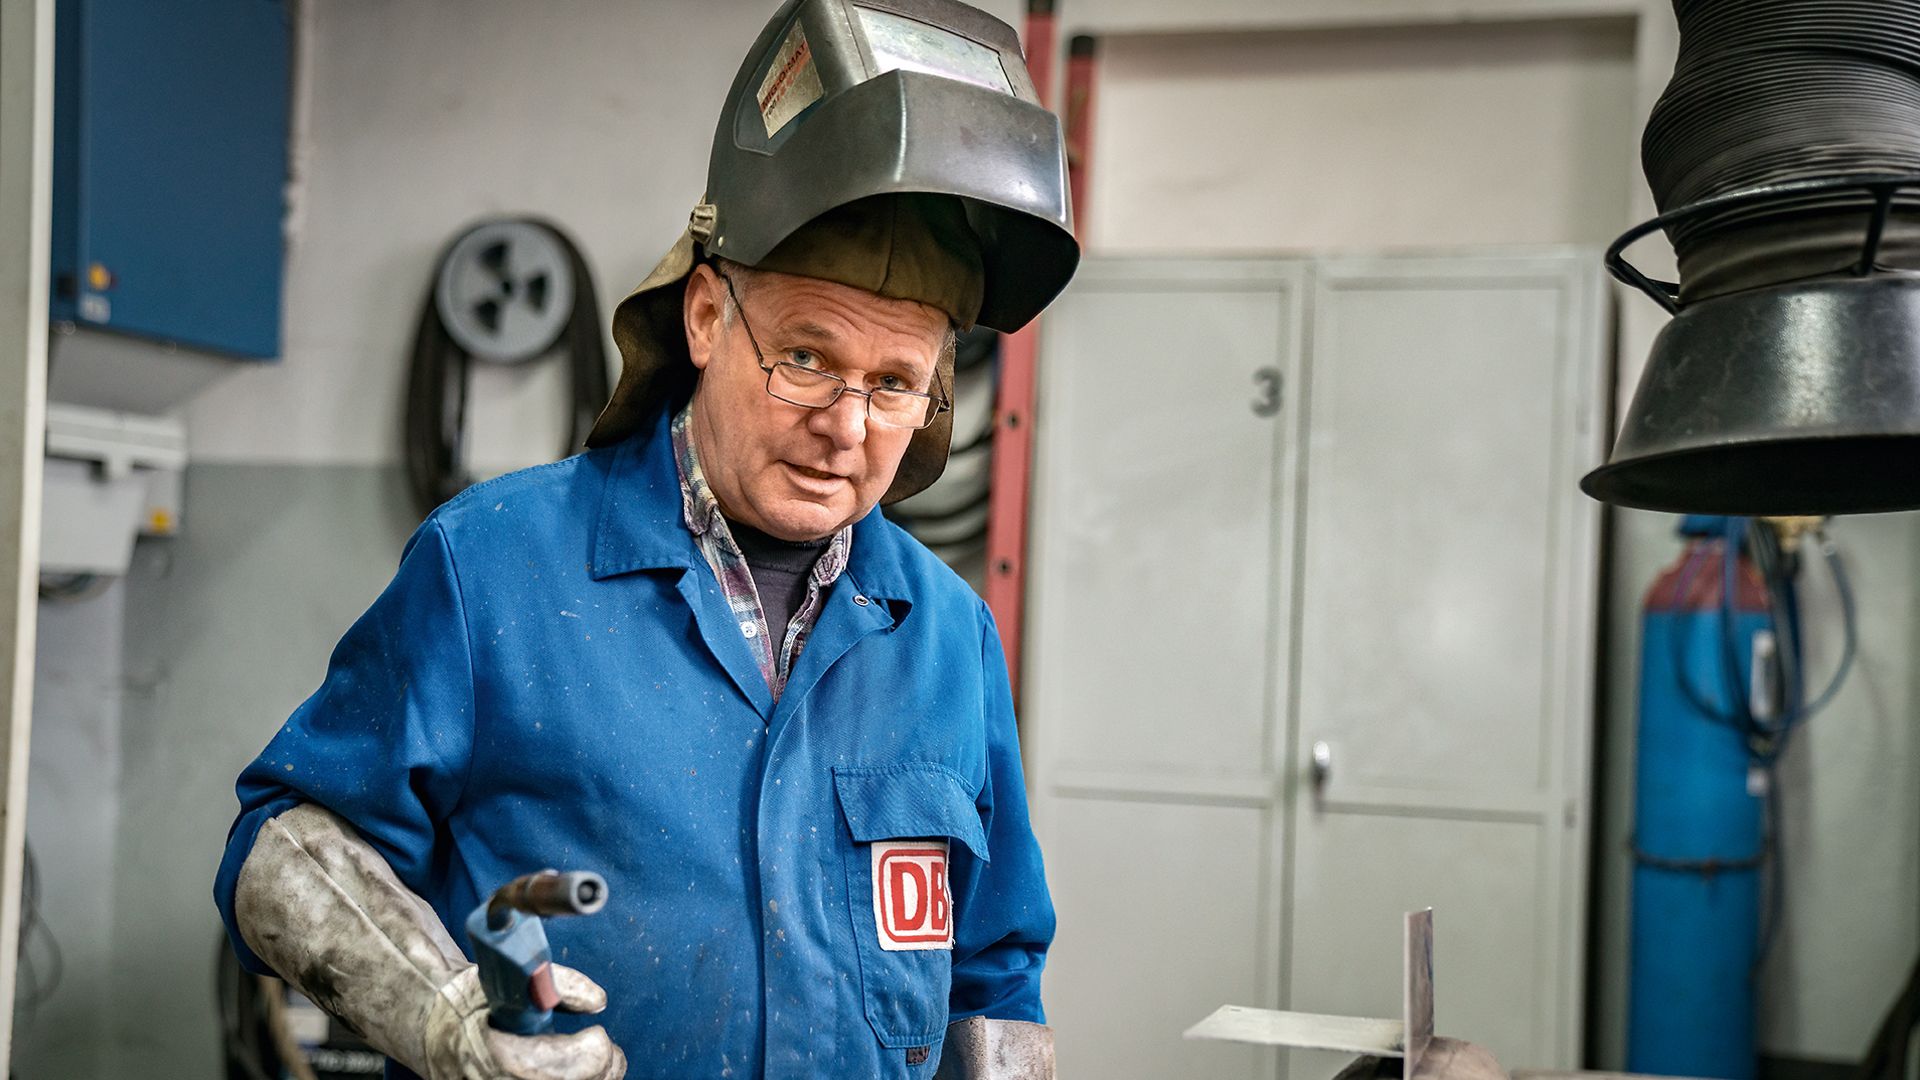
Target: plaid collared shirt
709,528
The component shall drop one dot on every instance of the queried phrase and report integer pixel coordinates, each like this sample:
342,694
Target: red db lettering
937,908
912,904
909,902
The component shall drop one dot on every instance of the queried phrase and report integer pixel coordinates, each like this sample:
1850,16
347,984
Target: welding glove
320,905
981,1049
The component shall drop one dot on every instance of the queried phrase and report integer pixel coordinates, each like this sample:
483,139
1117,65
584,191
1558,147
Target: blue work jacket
553,679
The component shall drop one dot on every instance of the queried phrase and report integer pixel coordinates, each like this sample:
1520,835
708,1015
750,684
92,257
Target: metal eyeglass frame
939,404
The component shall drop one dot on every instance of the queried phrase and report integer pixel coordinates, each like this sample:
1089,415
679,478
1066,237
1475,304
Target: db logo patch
912,908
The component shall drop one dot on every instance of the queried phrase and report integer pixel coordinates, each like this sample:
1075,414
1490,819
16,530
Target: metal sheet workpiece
1417,987
1311,1031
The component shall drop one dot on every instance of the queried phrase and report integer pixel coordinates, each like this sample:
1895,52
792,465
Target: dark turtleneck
780,569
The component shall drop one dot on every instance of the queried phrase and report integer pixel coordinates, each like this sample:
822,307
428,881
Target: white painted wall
1356,138
1157,17
1328,136
419,117
1852,808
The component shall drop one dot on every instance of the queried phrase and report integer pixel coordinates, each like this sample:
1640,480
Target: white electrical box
110,477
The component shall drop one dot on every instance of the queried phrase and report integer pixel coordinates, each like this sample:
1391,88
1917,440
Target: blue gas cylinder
1699,839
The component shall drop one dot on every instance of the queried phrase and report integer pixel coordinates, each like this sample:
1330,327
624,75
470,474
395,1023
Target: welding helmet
895,146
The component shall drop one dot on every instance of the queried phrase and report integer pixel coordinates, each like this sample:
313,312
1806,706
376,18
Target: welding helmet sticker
792,82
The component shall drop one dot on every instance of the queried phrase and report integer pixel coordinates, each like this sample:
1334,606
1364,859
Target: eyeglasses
812,388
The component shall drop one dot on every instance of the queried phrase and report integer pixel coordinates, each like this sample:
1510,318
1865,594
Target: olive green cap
898,246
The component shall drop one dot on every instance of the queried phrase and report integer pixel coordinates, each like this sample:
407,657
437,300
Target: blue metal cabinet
170,136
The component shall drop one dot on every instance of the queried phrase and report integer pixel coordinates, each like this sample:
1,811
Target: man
695,659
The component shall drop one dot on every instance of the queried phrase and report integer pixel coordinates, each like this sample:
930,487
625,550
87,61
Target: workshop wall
418,118
1430,137
1401,137
411,120
414,119
68,967
226,632
1850,791
1527,133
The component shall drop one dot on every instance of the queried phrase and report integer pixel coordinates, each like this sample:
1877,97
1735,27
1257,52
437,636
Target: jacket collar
876,563
642,524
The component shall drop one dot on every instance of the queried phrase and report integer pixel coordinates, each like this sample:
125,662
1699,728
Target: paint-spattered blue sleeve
386,739
1003,913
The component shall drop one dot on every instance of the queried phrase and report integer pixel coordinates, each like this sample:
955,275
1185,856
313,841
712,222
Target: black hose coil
434,427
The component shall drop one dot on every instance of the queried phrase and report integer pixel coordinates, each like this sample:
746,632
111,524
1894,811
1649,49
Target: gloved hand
981,1049
460,1045
317,902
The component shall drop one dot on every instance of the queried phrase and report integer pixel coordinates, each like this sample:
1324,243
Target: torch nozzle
549,892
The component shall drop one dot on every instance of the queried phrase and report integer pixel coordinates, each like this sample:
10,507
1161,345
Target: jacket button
861,600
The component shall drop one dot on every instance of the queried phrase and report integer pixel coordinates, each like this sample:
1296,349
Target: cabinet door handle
1270,382
1322,766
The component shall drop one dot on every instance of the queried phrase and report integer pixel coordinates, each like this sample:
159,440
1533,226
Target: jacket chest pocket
905,822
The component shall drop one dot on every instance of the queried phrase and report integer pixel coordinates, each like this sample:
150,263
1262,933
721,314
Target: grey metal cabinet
1317,503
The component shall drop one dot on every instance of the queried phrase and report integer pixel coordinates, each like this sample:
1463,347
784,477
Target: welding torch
510,944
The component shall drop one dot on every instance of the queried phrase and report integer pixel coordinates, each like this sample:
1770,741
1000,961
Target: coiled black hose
1769,91
955,526
434,435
